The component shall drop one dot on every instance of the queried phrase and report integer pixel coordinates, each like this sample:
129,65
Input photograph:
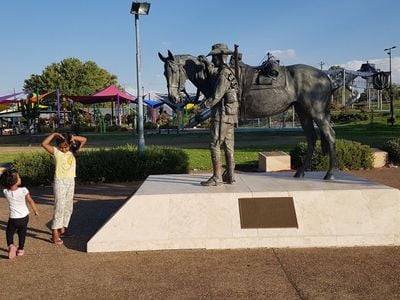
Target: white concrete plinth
176,212
273,161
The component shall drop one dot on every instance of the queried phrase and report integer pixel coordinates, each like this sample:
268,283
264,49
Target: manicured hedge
113,165
35,168
392,147
350,155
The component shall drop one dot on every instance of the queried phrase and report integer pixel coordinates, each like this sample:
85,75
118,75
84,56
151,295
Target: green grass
4,158
246,158
370,134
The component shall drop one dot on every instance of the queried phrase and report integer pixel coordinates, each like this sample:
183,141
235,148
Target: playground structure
19,108
367,79
100,120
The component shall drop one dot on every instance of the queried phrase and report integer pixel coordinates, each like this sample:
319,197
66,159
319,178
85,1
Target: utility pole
139,8
344,88
392,118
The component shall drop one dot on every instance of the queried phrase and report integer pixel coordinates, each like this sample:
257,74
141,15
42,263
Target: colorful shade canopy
109,94
8,98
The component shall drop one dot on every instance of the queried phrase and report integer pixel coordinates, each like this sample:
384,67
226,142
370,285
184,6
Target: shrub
114,165
45,129
350,155
392,147
112,128
347,117
35,168
150,125
65,129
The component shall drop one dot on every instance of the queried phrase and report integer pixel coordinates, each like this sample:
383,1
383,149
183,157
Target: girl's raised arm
46,142
81,139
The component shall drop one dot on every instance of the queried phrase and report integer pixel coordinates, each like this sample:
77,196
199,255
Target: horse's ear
162,57
170,55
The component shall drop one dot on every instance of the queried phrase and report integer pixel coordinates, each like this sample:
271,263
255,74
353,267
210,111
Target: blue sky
37,33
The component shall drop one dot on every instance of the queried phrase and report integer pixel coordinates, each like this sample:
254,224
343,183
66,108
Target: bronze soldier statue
224,116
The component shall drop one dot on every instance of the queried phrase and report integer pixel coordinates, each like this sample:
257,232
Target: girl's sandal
58,242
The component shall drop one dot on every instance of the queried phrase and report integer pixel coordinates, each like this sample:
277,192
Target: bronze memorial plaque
267,212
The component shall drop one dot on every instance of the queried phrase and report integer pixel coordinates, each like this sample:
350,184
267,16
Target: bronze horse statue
306,88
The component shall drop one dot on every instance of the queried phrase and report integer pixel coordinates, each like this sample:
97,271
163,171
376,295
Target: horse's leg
328,134
311,137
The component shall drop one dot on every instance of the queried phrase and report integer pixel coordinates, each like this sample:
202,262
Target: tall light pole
392,118
139,8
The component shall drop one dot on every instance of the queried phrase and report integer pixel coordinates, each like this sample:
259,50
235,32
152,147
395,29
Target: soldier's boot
229,174
216,179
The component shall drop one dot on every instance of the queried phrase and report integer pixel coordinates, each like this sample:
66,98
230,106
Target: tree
71,77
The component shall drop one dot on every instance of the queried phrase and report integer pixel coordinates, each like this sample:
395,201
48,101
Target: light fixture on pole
392,118
139,8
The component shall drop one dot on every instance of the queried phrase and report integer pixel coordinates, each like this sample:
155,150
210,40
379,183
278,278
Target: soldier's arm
220,90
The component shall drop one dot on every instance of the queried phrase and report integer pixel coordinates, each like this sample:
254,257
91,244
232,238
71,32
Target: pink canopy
109,94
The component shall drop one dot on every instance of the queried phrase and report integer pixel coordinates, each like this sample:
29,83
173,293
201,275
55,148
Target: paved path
48,271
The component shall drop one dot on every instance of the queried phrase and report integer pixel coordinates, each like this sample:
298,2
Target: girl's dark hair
73,146
9,178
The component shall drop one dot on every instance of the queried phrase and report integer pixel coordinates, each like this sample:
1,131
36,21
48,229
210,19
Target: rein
182,75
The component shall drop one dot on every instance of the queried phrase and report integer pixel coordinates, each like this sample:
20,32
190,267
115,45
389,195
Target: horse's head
175,75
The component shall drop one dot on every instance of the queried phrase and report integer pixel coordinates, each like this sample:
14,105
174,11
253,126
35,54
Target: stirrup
212,181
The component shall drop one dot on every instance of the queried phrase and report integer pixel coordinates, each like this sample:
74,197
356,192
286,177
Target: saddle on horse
269,75
269,78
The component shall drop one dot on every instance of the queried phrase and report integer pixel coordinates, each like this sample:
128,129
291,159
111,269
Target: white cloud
380,63
283,54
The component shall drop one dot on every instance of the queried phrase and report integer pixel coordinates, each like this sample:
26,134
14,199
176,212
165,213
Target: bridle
177,67
180,86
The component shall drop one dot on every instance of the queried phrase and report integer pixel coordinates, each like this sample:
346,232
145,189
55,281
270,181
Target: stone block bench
273,161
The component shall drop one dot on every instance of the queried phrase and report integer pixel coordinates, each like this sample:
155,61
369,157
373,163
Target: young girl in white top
64,179
19,213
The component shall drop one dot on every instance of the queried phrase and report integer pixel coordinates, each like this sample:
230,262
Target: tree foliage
71,77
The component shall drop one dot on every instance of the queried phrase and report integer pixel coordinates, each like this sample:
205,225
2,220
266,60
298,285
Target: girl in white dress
19,213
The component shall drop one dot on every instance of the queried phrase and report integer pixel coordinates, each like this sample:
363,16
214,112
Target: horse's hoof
329,177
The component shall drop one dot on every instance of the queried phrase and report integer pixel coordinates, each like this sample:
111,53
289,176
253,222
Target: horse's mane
195,68
186,57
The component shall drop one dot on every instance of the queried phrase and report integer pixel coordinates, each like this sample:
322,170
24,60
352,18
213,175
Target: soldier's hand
206,103
201,104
